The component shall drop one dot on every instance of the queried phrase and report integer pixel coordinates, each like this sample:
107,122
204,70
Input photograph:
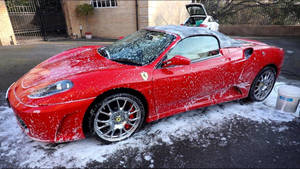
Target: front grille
21,122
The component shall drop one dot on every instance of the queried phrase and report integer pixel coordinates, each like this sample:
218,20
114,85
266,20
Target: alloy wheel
264,84
117,119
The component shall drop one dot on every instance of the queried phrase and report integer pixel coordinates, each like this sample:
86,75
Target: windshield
139,48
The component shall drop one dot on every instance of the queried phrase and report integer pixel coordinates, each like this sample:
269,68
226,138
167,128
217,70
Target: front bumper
53,123
6,94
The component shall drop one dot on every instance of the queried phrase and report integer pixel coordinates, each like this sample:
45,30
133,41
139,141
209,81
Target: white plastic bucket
288,98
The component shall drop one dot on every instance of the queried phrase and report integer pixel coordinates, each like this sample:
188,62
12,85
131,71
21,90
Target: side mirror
176,60
121,37
221,52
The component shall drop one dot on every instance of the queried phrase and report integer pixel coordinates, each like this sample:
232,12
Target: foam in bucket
288,98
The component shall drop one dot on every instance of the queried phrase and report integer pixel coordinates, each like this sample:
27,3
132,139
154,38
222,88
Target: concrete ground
250,145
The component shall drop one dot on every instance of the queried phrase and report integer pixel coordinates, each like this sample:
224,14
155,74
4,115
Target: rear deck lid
196,9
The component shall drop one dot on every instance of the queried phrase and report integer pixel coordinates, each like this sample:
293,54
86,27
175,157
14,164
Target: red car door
242,68
190,86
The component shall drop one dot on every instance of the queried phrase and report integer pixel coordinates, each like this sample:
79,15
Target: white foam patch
18,149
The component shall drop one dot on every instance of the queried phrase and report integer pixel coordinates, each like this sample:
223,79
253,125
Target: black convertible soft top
185,31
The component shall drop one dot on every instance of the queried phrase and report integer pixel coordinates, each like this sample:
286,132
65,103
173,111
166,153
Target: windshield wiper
126,61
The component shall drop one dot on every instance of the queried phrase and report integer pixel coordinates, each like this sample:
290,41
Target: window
139,48
104,3
195,48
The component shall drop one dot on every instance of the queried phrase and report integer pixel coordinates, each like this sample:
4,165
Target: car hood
66,64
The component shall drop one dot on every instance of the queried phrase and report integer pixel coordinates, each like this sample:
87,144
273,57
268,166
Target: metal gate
36,19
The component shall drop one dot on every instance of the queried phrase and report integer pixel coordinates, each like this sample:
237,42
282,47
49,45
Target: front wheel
117,117
263,84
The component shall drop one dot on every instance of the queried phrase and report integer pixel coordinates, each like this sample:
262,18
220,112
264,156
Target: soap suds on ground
16,148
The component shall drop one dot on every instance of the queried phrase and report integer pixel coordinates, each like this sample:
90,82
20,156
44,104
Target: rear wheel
263,84
117,117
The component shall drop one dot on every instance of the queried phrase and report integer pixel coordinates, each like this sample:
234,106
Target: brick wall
114,22
260,30
110,22
7,36
121,20
143,13
167,12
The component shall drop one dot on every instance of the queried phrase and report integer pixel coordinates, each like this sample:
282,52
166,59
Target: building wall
72,20
121,20
143,13
7,36
114,22
111,22
167,12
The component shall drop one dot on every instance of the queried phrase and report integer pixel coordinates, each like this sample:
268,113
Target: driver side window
196,48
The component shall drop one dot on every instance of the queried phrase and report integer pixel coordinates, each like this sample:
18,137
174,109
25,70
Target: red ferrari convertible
151,74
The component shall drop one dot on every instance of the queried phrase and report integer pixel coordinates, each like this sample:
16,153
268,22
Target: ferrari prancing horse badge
144,75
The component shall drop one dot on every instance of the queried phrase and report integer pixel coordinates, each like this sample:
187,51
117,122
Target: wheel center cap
262,84
118,119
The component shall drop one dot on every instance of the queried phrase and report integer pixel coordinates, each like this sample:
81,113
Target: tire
263,84
116,117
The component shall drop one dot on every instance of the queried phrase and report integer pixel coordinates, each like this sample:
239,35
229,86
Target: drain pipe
137,15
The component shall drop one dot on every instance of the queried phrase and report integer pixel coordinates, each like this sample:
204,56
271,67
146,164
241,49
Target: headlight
52,89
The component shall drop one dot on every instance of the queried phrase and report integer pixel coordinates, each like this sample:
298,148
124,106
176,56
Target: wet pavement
236,142
291,46
247,145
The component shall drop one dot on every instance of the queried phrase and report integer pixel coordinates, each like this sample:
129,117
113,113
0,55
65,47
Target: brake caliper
131,116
